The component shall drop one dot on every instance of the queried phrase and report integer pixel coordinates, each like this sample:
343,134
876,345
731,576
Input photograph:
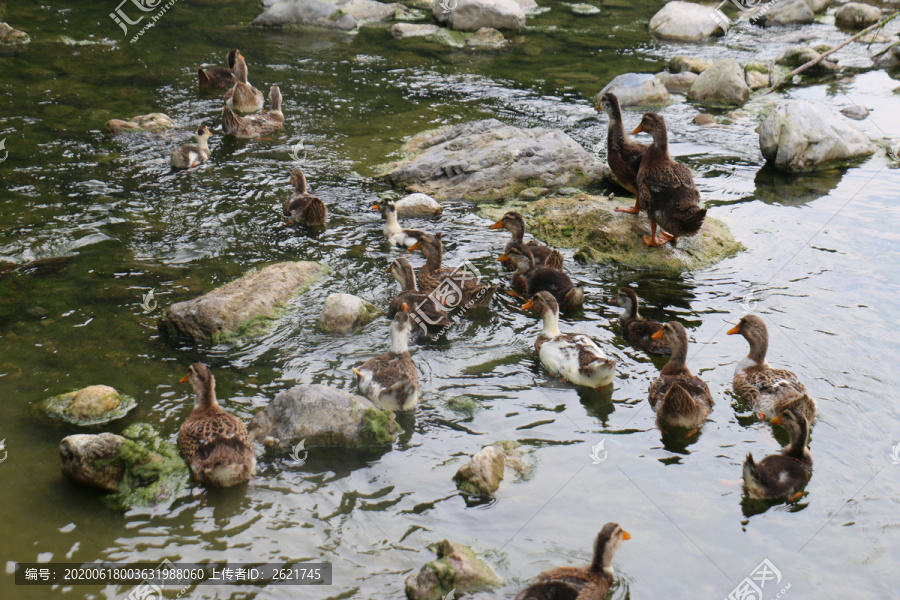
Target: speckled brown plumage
391,380
529,278
514,222
189,156
254,125
218,76
678,396
622,153
431,275
428,315
243,97
303,207
637,330
784,474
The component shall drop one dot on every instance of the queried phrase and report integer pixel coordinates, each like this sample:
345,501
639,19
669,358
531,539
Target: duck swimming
253,126
529,278
391,380
459,287
396,235
679,397
189,156
514,223
244,97
637,330
426,312
303,207
787,473
218,76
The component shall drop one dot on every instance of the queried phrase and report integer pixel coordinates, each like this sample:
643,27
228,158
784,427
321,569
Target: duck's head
542,303
795,422
754,330
298,179
201,379
512,221
428,243
274,99
626,298
652,123
608,104
674,334
401,327
605,545
203,133
403,273
240,67
386,207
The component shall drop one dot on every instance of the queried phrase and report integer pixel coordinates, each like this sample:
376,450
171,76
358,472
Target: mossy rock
602,235
93,405
457,568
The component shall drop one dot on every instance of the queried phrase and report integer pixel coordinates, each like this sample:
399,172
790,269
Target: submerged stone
93,405
344,313
456,569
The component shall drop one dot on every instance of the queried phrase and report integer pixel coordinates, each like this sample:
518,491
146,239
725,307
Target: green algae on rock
602,235
456,568
93,405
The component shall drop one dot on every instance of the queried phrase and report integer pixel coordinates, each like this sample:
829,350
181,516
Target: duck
427,312
215,444
529,278
637,330
303,207
784,474
622,153
768,391
679,397
188,156
391,380
218,76
254,126
455,287
396,235
665,188
514,223
581,583
572,357
244,97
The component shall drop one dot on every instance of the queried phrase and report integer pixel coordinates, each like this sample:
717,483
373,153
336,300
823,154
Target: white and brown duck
302,207
391,380
254,126
396,235
189,156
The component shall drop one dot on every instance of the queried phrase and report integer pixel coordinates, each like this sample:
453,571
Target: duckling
768,391
189,156
665,188
218,76
572,357
303,207
459,287
679,397
215,444
396,235
528,279
622,153
637,330
253,126
244,97
588,583
426,311
514,223
787,473
391,380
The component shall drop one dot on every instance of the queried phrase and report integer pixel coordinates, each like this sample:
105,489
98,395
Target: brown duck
428,314
585,583
514,223
622,153
303,207
785,474
459,287
244,97
214,443
218,76
529,278
253,126
679,397
666,189
391,380
189,156
637,330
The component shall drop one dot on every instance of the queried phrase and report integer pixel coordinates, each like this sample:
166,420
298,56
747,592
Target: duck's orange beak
637,129
528,305
626,535
497,225
357,373
658,335
388,270
734,330
404,307
504,257
184,379
376,206
415,246
598,108
776,420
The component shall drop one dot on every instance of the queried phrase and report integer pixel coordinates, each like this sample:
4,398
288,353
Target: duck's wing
639,333
213,438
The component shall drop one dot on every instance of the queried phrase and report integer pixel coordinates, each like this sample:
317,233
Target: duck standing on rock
189,156
254,126
218,76
622,153
637,330
391,380
215,444
679,397
425,310
396,235
303,207
244,97
768,391
572,357
665,188
586,583
514,223
459,287
785,474
529,278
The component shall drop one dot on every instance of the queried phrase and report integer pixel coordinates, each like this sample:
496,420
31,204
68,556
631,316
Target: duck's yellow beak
626,535
637,129
504,257
184,379
776,420
497,225
356,372
734,330
528,305
658,335
415,246
376,206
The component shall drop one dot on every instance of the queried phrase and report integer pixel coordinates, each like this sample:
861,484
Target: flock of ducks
217,445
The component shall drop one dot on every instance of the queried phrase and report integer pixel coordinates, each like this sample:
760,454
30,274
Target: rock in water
688,22
855,112
721,84
784,12
800,136
244,306
456,568
488,160
856,15
795,56
418,205
637,89
12,37
482,475
322,416
93,405
138,469
681,63
344,313
677,82
472,15
305,13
